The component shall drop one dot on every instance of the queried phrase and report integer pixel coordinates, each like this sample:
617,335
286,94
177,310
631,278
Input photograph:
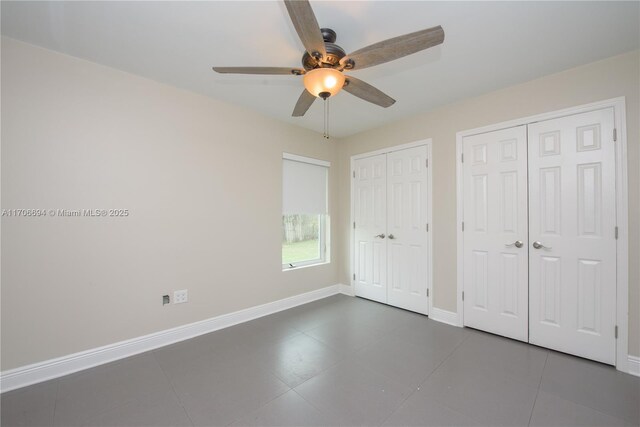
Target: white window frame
322,243
323,226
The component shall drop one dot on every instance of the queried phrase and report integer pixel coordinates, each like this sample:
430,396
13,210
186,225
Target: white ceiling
488,45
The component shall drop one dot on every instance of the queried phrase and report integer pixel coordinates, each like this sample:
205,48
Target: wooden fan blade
367,92
303,104
306,25
259,70
397,47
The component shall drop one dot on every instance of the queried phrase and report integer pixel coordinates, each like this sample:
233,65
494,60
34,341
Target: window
305,221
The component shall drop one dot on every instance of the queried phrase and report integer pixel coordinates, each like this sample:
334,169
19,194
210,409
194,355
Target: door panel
495,217
572,287
407,233
370,215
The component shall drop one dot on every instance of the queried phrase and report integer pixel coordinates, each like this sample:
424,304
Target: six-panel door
568,240
572,199
495,232
407,256
390,221
370,217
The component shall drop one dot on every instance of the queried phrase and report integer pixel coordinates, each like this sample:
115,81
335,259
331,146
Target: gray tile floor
337,361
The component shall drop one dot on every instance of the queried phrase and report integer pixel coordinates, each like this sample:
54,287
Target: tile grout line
106,410
538,390
98,413
575,402
355,350
600,411
276,376
55,403
426,379
173,390
316,375
446,358
346,357
314,406
256,410
182,405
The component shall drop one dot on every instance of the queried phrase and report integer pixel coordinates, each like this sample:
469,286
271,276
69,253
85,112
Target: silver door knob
391,236
517,244
382,236
538,245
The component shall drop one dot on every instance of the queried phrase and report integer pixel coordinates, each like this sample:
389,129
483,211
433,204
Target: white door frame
425,142
622,210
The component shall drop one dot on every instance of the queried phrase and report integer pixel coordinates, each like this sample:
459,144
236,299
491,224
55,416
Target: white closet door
407,229
495,218
572,214
370,215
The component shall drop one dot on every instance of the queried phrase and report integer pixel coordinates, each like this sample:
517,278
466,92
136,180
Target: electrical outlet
180,296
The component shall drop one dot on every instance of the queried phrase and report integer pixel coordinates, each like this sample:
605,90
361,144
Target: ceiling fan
324,62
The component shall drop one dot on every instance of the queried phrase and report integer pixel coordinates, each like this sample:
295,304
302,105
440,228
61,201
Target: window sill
305,266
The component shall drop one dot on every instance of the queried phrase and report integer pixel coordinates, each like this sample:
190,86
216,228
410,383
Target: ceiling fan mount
328,35
334,53
324,62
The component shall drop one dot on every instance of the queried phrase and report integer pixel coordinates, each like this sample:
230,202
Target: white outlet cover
181,296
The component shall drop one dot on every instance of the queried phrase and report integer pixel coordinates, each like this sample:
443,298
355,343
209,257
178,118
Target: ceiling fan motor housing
334,52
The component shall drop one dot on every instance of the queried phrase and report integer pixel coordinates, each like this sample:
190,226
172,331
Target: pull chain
325,97
324,134
326,119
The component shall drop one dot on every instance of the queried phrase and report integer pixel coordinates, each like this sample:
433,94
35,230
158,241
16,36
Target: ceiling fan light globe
323,80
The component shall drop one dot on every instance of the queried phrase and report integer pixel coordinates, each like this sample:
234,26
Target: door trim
622,210
424,142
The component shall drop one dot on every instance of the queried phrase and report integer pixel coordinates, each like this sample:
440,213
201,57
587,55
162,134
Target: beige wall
614,77
202,180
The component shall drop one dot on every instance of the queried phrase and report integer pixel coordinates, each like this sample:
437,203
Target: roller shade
304,185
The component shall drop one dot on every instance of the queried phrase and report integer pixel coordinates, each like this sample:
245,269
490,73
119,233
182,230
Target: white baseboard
633,365
346,290
444,316
54,368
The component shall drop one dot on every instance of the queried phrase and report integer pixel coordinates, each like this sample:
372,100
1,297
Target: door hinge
616,232
462,295
616,331
426,162
354,174
462,225
427,227
462,157
354,225
427,293
354,276
615,134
